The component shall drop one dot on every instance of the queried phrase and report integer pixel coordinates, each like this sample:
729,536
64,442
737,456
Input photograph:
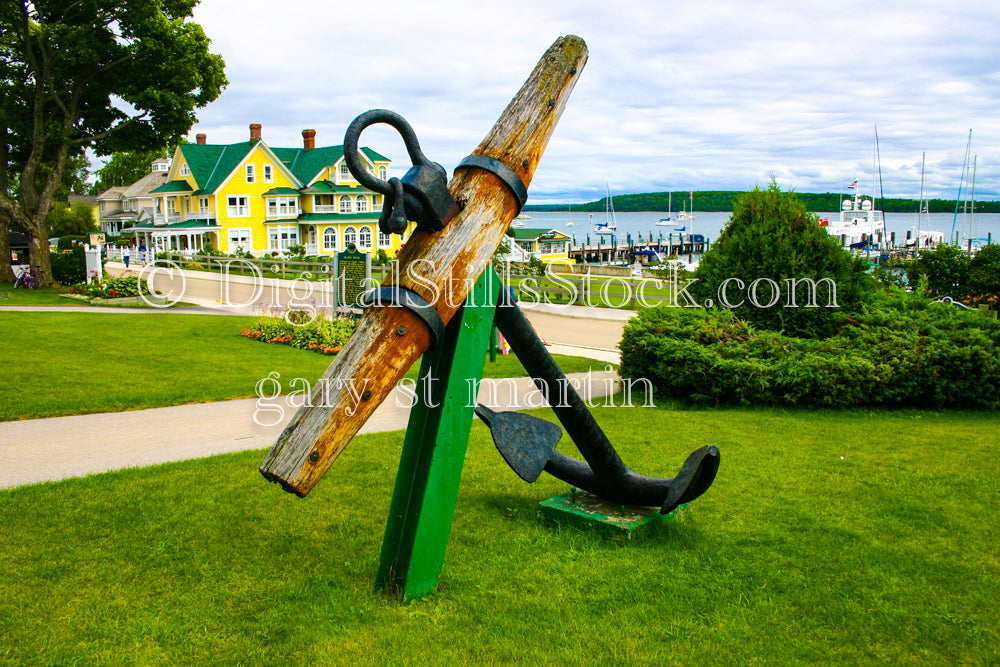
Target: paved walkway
38,450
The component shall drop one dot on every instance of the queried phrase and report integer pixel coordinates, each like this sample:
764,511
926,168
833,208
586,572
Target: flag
853,185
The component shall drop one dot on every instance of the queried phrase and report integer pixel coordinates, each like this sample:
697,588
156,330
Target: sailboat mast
920,203
972,200
961,182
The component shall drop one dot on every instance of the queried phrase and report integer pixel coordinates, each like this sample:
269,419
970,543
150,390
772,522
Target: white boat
685,214
570,223
668,221
607,227
861,225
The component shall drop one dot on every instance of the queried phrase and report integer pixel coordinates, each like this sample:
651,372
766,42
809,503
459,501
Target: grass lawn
828,538
43,296
77,363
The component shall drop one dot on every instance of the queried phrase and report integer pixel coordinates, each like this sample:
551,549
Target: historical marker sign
353,271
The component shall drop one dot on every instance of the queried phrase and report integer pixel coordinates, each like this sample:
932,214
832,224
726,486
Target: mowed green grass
845,538
57,363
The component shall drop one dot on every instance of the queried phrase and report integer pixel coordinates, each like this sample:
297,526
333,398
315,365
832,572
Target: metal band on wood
503,172
394,295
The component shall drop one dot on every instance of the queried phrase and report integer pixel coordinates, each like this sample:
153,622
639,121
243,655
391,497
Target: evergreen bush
773,239
899,350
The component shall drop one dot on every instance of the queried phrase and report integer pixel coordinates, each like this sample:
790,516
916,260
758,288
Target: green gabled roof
280,191
339,217
529,234
172,187
210,164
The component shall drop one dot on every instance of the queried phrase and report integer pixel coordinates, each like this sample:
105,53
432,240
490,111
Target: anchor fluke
694,478
526,443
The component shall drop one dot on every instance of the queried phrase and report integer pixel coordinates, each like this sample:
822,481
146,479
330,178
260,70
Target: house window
239,239
184,171
239,206
344,171
268,174
171,205
350,237
203,205
384,240
361,204
382,172
251,173
282,237
376,202
345,204
282,207
365,238
330,238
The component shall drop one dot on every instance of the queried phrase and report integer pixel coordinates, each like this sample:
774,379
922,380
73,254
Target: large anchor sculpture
458,227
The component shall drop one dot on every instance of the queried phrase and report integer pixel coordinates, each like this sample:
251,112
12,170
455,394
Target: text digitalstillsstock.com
306,297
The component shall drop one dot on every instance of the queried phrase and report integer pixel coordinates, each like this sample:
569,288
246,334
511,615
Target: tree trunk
440,266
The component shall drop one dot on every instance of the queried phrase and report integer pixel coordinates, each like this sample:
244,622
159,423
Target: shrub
984,275
944,269
69,267
898,351
771,236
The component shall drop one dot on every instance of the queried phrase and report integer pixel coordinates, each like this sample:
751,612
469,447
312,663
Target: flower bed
300,329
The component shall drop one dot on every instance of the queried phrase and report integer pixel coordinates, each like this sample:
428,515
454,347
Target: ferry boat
861,225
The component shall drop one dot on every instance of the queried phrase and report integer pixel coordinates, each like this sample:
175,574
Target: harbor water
710,224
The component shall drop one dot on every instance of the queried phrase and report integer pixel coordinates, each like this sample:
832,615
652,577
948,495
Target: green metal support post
437,436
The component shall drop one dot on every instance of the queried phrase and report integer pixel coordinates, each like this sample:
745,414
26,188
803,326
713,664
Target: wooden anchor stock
439,266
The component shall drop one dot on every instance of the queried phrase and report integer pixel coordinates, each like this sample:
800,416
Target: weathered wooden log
441,267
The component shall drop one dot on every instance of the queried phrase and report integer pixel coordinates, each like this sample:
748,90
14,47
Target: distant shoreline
722,200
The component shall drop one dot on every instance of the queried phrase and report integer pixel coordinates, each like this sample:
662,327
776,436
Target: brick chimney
201,139
255,131
308,139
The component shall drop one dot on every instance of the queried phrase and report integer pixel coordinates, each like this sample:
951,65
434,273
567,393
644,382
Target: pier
616,252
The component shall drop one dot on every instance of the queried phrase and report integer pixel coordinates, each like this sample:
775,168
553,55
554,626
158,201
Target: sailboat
687,215
570,223
607,227
667,222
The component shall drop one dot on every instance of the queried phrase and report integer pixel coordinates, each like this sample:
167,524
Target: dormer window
184,171
382,172
344,171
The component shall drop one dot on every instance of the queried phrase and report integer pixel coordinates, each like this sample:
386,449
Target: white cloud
717,94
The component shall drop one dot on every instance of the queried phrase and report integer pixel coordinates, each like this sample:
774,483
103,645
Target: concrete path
38,450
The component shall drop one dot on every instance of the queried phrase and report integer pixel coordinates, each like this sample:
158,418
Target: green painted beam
437,436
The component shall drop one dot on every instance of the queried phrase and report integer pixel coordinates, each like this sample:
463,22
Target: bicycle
28,278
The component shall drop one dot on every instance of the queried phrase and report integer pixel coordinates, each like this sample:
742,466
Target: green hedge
69,267
901,351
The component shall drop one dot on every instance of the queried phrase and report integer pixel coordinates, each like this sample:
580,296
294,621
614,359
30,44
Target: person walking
125,255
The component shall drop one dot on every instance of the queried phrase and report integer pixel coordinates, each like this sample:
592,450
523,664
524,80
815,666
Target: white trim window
350,237
282,207
251,173
365,238
345,204
239,239
184,170
345,173
238,205
282,237
376,203
268,173
203,205
384,240
382,172
361,204
330,238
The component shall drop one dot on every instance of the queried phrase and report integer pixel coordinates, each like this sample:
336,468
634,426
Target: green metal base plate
585,510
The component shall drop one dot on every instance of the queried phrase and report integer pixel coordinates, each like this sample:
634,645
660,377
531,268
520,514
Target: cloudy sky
713,94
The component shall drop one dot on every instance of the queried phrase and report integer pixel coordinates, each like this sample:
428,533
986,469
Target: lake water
711,223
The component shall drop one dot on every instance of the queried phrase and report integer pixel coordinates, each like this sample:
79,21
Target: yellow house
251,198
549,245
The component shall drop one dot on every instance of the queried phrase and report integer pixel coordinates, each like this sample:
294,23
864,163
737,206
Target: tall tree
112,75
125,168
